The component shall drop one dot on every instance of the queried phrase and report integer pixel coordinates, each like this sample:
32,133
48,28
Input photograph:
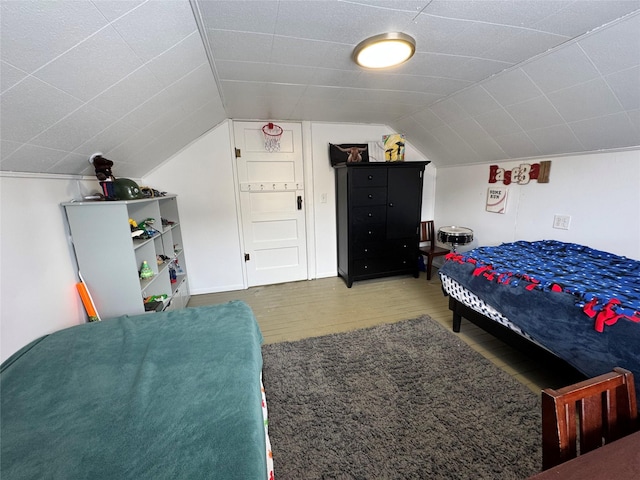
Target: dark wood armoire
378,216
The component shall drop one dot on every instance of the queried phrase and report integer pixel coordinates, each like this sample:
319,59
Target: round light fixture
384,50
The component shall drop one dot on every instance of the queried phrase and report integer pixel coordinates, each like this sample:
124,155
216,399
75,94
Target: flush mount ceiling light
384,50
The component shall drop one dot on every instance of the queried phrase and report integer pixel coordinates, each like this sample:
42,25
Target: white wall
601,193
324,184
202,175
38,272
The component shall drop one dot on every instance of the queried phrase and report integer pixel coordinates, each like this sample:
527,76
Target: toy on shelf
145,270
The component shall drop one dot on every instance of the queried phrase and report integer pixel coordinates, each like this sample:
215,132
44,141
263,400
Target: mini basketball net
272,134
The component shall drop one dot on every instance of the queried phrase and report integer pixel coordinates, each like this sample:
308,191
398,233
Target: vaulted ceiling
139,80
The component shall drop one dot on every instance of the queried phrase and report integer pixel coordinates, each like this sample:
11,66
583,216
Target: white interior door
272,204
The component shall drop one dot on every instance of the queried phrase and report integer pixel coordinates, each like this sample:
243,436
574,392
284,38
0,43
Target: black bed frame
565,371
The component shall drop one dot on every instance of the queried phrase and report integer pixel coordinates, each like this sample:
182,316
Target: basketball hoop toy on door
272,134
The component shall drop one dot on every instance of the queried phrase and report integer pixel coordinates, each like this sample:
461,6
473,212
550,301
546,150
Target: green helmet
125,189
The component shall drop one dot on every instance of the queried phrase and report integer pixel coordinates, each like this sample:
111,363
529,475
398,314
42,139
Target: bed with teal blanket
174,395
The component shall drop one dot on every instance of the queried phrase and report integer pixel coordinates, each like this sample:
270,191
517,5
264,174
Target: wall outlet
561,221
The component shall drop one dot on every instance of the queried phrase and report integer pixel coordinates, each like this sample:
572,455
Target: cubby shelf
110,259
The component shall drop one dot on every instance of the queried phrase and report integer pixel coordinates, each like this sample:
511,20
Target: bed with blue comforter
581,304
173,395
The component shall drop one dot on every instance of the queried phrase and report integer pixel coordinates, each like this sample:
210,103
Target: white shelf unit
110,259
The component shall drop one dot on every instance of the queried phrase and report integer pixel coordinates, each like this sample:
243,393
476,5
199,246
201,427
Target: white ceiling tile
555,140
448,111
107,139
9,76
634,116
585,15
476,101
388,96
517,145
446,86
338,23
291,74
7,147
337,78
535,113
511,87
616,47
31,107
298,51
291,60
477,69
339,56
146,112
314,92
238,46
477,138
129,92
243,16
35,32
165,23
435,33
72,163
31,158
245,71
591,99
527,44
498,122
391,81
427,119
73,130
437,65
113,9
81,71
560,69
130,150
452,142
626,86
179,60
193,90
497,11
478,38
611,131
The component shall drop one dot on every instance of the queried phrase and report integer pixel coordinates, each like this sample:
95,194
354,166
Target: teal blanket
172,395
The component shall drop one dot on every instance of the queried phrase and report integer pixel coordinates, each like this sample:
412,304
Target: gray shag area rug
396,401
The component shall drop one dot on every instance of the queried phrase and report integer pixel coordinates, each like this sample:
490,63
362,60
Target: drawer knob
370,177
370,232
370,214
370,195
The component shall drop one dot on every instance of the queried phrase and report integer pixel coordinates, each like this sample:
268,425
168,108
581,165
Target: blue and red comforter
582,304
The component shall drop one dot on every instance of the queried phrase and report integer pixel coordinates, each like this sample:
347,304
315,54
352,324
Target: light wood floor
292,311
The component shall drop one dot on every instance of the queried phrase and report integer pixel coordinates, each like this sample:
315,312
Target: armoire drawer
369,266
365,234
369,177
369,250
369,215
368,196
